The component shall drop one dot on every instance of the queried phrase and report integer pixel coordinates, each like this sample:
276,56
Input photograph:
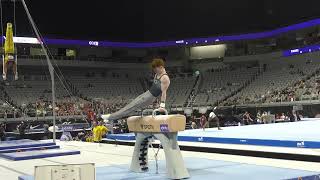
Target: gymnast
160,85
212,116
9,54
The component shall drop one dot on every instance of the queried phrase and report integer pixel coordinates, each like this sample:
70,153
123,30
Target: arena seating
120,89
278,76
180,88
220,84
25,91
280,81
303,90
308,90
112,90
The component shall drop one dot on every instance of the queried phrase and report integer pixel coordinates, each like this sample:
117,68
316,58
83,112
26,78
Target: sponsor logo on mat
300,144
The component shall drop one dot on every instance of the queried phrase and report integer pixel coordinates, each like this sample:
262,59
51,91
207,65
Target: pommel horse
164,128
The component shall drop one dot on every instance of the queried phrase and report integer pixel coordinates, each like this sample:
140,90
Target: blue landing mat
122,137
24,143
201,169
294,134
16,141
36,154
29,149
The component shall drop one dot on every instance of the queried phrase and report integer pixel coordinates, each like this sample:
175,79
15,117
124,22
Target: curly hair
157,62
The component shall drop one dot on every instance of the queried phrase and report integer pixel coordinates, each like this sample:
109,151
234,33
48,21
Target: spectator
46,131
22,128
89,137
203,121
291,116
99,130
81,135
298,116
259,120
66,136
247,118
2,131
264,117
194,125
90,117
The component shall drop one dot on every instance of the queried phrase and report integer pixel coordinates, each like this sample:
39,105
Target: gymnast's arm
165,82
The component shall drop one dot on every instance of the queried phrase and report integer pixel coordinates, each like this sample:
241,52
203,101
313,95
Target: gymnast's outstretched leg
159,87
140,102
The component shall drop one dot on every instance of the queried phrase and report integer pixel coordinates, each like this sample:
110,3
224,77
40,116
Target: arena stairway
26,149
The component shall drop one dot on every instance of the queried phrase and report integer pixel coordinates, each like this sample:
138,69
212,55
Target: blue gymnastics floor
201,169
303,134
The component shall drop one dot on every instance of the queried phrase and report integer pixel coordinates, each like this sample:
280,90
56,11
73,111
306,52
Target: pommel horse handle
165,128
154,111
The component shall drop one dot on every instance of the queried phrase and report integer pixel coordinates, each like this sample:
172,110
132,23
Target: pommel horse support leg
165,128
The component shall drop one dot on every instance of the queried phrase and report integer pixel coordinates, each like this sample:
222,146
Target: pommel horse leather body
157,124
164,128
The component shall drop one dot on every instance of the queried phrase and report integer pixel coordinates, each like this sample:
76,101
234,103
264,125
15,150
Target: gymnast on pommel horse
159,87
165,128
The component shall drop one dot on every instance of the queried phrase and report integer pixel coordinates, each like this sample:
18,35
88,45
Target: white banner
25,40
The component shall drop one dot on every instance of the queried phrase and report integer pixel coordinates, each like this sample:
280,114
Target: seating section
33,89
219,84
111,90
26,90
303,90
271,86
276,81
180,88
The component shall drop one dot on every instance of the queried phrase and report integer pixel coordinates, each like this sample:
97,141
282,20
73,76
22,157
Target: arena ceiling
150,20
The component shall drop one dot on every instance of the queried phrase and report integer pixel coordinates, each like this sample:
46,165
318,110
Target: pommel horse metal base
165,128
